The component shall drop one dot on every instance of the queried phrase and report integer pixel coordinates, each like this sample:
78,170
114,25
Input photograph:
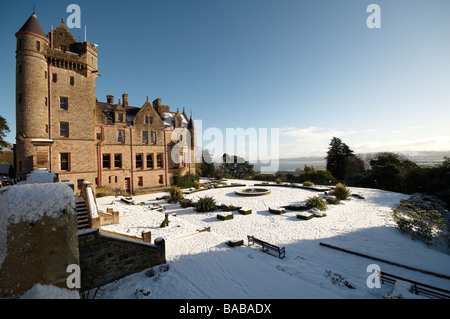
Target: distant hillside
291,164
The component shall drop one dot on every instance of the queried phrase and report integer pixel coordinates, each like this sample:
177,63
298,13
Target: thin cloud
313,133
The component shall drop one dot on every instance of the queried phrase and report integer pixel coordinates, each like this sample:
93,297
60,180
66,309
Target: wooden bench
266,246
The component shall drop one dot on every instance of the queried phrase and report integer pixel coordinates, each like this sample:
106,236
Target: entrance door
127,185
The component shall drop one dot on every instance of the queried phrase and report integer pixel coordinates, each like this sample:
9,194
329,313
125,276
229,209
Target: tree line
385,170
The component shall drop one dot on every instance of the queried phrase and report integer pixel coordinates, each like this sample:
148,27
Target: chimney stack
125,99
110,99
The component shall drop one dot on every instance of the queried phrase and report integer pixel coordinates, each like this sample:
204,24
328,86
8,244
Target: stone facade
105,258
62,127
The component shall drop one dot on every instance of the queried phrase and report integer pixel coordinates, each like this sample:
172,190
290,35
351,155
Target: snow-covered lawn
202,265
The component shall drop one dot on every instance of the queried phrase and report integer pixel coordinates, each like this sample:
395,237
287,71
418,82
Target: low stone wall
38,236
105,258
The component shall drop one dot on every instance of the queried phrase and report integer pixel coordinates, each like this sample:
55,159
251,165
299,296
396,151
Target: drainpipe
165,156
131,151
49,101
99,157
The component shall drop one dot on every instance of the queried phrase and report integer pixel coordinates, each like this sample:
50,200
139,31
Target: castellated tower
62,127
55,102
31,94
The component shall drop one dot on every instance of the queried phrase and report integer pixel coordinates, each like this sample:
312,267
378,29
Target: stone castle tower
63,128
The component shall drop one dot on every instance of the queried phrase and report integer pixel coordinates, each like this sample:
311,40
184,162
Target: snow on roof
168,119
29,203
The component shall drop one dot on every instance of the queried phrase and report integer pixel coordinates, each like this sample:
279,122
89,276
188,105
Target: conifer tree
337,157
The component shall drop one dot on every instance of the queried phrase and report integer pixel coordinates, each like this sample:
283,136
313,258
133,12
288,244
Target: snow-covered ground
202,265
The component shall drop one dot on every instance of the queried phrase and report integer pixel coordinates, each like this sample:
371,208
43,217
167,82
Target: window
117,160
64,161
144,137
46,101
38,45
159,160
106,161
63,48
54,77
152,137
72,81
120,117
20,68
178,123
148,120
140,181
149,160
139,161
80,183
121,136
109,179
64,129
45,74
161,180
63,103
19,98
99,136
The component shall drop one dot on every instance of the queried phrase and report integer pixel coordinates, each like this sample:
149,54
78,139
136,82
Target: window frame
61,98
106,160
159,161
152,137
61,130
150,160
141,161
144,137
116,160
123,136
66,162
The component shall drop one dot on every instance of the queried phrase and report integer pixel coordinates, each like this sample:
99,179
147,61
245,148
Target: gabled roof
33,26
131,111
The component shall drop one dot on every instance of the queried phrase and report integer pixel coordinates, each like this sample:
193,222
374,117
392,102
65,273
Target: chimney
110,99
157,104
125,99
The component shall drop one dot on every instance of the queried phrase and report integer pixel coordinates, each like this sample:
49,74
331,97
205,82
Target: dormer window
178,122
120,117
63,48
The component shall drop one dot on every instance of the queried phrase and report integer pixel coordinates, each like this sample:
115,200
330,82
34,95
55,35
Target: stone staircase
82,213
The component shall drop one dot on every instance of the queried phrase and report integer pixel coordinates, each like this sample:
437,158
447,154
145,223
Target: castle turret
32,117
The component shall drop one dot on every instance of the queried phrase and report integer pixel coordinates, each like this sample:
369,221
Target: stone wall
38,237
105,258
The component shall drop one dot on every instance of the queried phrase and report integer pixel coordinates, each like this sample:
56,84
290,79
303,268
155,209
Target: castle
62,127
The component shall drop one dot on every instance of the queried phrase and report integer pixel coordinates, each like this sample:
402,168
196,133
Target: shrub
420,224
308,183
278,181
229,208
196,184
176,194
316,202
277,211
185,181
165,222
341,191
224,216
205,204
245,211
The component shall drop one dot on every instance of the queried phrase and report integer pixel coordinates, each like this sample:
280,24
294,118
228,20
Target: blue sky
311,69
